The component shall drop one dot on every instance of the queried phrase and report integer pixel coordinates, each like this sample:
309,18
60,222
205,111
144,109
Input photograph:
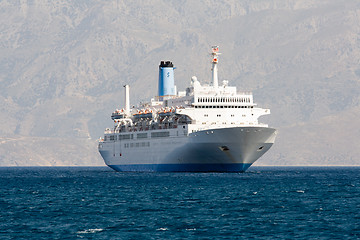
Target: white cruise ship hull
214,150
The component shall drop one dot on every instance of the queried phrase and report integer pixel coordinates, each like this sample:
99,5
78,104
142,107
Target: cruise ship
206,128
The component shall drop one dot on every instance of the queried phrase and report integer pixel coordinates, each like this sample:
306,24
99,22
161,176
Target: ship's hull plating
215,150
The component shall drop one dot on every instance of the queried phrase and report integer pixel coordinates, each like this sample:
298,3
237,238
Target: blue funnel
166,80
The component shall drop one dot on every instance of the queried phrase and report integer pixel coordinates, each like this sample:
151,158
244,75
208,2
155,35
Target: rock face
63,65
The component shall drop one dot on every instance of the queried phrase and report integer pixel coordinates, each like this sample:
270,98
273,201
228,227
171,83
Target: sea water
99,203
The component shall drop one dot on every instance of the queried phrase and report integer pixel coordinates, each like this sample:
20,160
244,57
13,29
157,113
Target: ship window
160,134
141,135
125,136
112,138
232,115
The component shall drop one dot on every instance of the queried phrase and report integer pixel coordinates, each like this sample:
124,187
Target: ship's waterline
205,128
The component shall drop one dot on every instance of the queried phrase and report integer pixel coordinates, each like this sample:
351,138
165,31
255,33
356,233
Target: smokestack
127,100
166,80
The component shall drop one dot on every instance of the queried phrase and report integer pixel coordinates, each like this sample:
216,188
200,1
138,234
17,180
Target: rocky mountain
63,65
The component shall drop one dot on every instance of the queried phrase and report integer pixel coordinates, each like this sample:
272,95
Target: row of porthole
219,115
223,99
224,106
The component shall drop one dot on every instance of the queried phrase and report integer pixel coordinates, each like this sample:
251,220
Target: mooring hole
224,148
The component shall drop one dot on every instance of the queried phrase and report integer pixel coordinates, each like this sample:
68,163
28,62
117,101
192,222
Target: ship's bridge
221,106
225,96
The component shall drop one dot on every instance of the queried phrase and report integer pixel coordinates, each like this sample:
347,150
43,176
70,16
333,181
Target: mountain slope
63,65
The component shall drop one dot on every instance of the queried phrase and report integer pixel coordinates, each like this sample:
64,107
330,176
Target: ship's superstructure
205,128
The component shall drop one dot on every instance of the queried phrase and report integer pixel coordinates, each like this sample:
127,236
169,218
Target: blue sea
99,203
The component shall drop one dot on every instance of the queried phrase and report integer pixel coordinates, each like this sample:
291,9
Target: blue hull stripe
240,167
